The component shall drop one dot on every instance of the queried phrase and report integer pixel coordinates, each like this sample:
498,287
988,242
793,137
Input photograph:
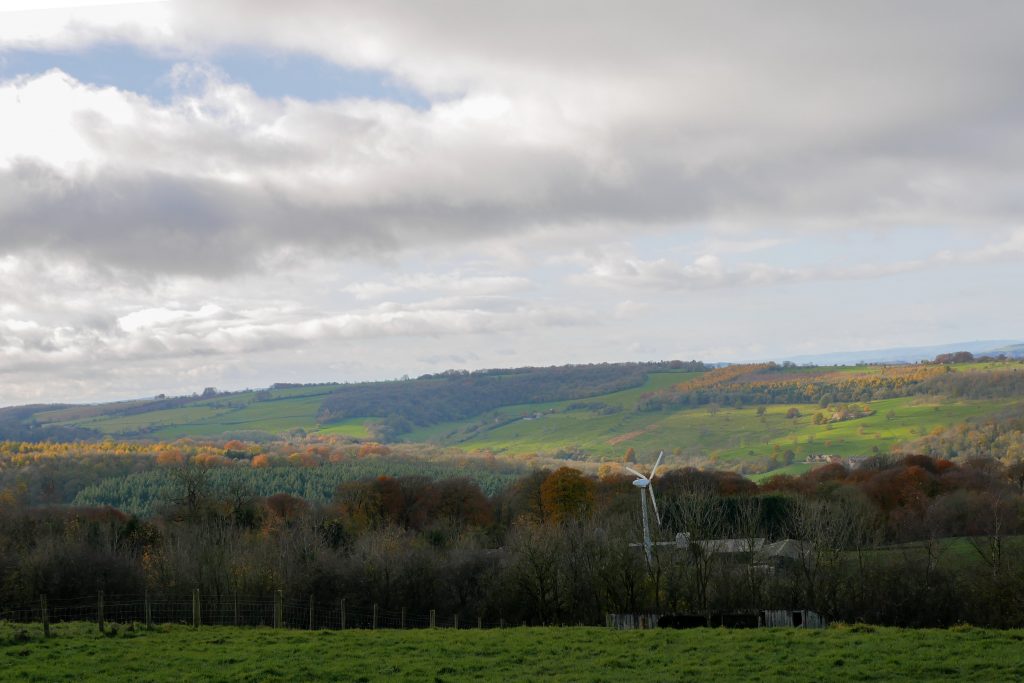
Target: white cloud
455,282
226,238
73,332
72,24
825,120
709,271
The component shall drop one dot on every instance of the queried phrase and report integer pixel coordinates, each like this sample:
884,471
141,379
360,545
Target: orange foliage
171,456
373,448
567,494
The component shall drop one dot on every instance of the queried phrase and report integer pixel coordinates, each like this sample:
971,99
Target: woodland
906,541
926,532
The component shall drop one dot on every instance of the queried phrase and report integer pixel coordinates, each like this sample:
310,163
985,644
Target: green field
598,428
275,411
78,652
726,436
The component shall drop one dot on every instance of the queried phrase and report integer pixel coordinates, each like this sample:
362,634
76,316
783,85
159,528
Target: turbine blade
660,456
657,516
630,469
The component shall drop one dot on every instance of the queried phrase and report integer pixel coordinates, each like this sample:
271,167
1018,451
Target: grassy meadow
275,411
600,428
726,436
78,652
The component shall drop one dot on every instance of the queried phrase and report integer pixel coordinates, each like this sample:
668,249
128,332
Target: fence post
195,608
403,617
456,622
374,625
278,608
99,610
147,611
501,623
46,615
343,614
235,596
310,611
433,618
479,622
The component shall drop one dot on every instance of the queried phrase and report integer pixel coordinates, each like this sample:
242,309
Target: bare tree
826,531
748,530
702,517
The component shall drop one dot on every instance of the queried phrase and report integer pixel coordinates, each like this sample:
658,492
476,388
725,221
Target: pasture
78,652
726,436
275,411
599,428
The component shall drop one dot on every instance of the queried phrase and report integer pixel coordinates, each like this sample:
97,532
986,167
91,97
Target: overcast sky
236,193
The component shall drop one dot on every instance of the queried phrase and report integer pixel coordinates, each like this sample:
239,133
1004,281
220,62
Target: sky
236,193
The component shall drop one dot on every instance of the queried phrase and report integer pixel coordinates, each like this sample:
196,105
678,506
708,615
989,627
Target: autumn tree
567,494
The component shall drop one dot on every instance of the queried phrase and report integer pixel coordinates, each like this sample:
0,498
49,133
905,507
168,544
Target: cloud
455,282
220,237
71,331
709,271
681,117
54,333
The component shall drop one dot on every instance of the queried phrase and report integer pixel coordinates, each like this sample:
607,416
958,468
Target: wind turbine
646,486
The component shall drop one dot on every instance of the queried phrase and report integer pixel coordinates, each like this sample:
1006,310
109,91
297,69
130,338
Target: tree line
910,541
459,395
769,383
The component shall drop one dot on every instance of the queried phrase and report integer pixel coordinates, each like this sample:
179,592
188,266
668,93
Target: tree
630,455
567,494
702,518
192,484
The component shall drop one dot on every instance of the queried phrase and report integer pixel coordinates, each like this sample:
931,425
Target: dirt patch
616,440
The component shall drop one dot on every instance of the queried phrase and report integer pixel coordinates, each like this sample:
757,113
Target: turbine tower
646,486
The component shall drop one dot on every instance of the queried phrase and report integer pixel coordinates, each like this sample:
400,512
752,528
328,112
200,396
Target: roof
788,547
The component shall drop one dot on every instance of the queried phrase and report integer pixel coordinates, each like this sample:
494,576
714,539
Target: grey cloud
710,272
658,116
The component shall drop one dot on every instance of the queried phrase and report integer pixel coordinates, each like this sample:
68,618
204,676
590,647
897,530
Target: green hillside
361,410
274,410
747,417
726,435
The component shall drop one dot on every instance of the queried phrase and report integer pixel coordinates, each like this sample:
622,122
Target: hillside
751,418
911,354
751,437
380,410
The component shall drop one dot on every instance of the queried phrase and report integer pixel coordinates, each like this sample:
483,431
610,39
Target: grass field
726,436
78,652
275,411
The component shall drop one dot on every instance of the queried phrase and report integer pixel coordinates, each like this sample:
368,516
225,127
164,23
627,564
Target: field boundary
199,610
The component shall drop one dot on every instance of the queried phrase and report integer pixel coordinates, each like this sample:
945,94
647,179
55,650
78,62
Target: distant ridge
910,354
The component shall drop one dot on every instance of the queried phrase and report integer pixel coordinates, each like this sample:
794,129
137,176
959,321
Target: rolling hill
752,418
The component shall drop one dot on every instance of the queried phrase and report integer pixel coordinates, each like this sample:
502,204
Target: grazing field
751,418
78,652
274,411
726,436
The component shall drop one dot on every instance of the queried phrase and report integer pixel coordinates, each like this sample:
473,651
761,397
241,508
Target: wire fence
276,610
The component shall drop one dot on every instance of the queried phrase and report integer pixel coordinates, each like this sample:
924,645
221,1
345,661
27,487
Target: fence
276,610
